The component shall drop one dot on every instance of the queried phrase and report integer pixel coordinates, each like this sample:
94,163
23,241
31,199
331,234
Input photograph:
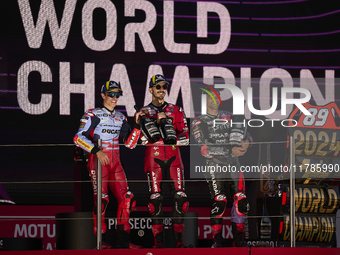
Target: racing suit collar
108,111
212,116
219,114
162,107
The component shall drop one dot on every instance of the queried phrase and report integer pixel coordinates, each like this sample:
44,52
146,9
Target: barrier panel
21,244
322,200
74,230
170,251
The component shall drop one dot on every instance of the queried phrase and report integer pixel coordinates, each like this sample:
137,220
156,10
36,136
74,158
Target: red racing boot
178,231
157,231
237,229
123,241
219,242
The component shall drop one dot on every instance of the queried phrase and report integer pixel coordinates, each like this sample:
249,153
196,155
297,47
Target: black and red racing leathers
163,162
213,133
100,123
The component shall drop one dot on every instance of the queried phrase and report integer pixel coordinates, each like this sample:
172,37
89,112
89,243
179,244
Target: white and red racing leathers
100,123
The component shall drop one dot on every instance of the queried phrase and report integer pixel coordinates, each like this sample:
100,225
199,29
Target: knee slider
105,201
241,203
240,227
218,207
155,204
129,201
181,202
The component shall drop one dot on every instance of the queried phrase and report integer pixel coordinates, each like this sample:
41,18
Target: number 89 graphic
322,115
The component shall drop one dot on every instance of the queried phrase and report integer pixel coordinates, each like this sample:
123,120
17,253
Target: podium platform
21,244
74,231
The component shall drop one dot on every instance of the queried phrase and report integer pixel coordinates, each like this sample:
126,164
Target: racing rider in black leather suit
210,130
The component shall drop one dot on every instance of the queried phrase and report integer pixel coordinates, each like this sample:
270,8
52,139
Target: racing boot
106,246
218,238
123,241
178,231
106,242
237,229
105,201
157,231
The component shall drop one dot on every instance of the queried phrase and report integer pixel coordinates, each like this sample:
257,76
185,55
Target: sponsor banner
19,221
259,243
204,226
